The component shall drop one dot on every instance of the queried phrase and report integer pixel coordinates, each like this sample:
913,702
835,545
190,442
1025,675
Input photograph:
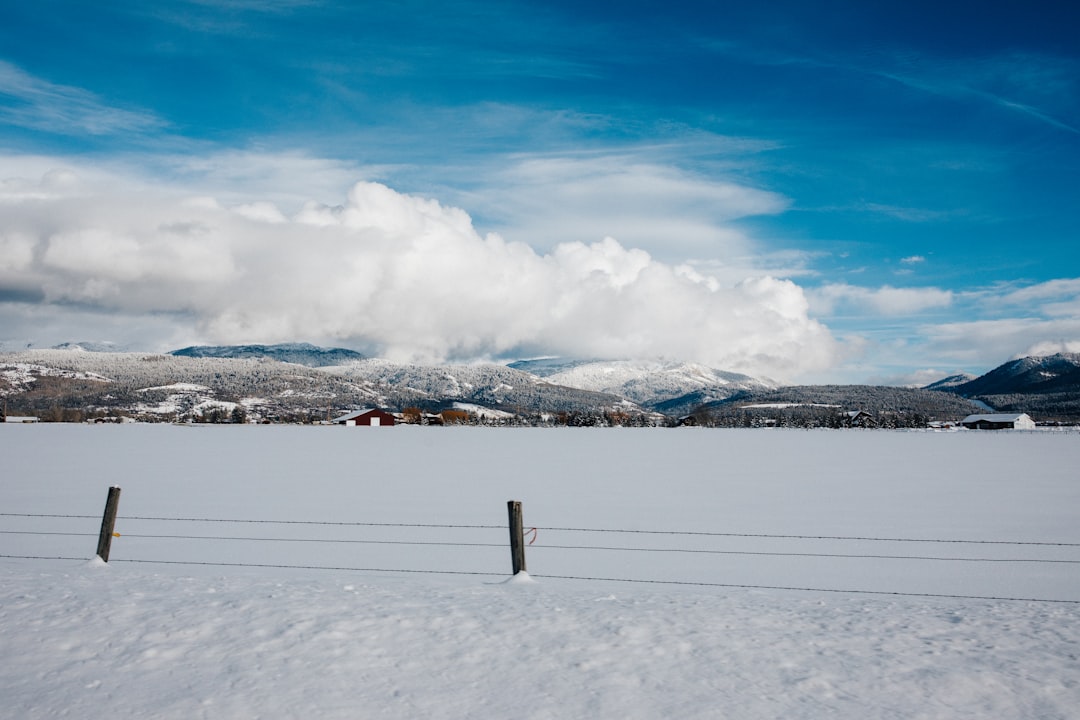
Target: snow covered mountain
668,387
73,384
493,386
296,353
1029,375
70,385
1046,387
301,382
948,383
99,347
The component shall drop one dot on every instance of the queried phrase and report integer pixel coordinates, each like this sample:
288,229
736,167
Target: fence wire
683,533
540,545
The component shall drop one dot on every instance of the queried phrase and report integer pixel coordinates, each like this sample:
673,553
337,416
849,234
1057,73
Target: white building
997,421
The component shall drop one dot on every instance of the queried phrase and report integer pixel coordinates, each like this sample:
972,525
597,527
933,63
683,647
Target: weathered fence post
517,536
108,524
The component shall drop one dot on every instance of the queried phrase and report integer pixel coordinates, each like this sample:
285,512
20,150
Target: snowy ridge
90,347
1033,375
165,385
1046,387
948,383
296,353
489,385
20,376
651,383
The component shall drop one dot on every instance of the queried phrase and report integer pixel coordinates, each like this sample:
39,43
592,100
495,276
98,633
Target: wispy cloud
908,214
1040,87
1032,295
1020,83
1006,320
674,213
224,17
32,102
886,300
972,343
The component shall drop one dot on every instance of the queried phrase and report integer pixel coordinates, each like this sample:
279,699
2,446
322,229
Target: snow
20,375
785,405
483,412
647,382
134,640
179,387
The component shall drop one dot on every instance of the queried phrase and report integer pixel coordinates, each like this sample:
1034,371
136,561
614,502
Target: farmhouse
857,418
370,417
1014,421
19,419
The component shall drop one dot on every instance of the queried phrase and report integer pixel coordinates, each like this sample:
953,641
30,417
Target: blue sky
820,191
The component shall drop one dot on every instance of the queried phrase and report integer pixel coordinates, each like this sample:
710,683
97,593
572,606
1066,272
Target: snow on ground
21,375
135,639
125,642
179,387
785,405
483,412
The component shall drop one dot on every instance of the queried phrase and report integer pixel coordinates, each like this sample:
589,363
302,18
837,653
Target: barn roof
994,417
354,414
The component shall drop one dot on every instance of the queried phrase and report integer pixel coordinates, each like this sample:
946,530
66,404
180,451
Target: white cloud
914,378
668,212
16,252
1049,294
913,260
1045,308
261,212
1051,347
886,300
396,274
986,327
973,343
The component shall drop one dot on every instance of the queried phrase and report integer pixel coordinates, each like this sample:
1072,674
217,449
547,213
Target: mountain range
1047,375
1046,387
303,382
297,353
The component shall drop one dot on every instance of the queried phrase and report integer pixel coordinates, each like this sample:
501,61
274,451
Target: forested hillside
75,385
1046,387
830,405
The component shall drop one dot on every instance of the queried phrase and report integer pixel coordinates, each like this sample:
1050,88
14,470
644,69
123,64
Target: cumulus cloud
398,275
886,300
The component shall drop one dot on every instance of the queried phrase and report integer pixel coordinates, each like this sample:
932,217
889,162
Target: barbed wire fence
522,539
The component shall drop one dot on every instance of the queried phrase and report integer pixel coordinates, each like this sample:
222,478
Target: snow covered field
138,639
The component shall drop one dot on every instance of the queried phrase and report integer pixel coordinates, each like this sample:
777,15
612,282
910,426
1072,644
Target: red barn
369,417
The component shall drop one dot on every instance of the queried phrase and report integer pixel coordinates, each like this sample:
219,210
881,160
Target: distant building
20,419
858,418
942,425
1014,421
369,417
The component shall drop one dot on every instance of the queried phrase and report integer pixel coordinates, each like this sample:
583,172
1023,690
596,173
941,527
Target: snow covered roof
357,414
352,415
995,418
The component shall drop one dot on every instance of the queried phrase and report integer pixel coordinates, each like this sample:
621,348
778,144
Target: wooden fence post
108,524
517,536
